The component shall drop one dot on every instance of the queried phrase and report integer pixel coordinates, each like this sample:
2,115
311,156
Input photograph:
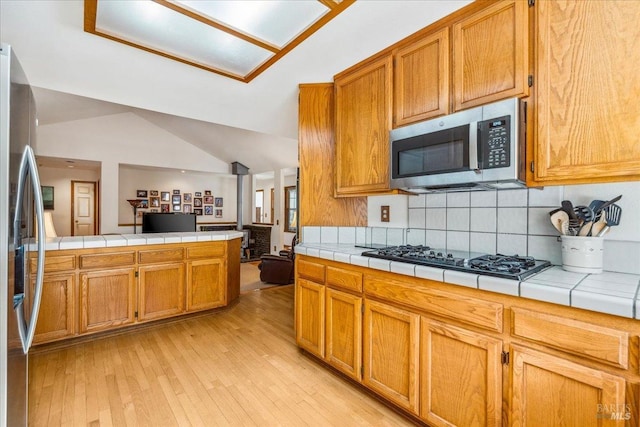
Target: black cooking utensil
599,205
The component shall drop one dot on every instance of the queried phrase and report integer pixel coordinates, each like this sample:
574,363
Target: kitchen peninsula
100,283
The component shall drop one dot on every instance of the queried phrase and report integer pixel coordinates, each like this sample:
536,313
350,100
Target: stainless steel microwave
480,148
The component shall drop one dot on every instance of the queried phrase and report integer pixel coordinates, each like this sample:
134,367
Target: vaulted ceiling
80,75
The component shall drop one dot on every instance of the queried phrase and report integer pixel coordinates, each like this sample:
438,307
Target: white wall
132,179
60,179
122,139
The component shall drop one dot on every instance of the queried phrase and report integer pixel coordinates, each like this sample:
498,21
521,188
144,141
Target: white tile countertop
609,292
114,240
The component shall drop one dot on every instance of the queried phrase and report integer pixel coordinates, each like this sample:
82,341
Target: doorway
83,208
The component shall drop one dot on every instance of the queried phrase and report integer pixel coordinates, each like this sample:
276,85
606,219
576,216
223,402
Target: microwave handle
473,146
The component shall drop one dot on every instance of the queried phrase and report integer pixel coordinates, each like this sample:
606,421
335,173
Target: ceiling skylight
237,39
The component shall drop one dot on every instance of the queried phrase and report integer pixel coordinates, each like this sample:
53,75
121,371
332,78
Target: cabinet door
548,389
344,332
460,376
107,299
206,284
491,54
391,353
161,291
317,154
587,90
421,79
56,318
363,122
310,316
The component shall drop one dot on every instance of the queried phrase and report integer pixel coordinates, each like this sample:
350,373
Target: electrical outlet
384,213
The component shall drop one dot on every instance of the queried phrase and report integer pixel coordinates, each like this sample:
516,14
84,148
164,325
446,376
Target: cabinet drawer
160,255
345,279
115,259
472,311
595,342
310,270
209,251
55,263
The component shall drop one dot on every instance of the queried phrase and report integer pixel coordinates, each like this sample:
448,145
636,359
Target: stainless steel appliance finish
479,148
506,266
20,200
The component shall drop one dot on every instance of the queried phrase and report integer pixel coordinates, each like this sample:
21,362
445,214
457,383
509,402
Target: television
167,222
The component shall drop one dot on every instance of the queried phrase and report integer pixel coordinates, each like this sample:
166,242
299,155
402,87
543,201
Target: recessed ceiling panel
276,22
154,26
238,39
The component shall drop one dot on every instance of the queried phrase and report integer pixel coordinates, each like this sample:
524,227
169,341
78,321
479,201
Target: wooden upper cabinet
491,54
363,121
316,152
421,79
587,88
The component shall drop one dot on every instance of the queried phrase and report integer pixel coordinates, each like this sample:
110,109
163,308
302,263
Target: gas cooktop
513,267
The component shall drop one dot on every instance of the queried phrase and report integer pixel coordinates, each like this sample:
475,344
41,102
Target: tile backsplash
503,221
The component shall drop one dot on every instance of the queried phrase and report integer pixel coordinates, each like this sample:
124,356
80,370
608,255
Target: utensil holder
582,254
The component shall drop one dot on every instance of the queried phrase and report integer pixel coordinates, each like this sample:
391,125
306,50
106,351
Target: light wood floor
236,367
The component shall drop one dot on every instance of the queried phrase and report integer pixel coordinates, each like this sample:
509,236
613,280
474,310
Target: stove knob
450,256
439,255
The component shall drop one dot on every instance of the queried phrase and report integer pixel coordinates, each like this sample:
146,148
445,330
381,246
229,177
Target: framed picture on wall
154,202
198,194
165,196
197,202
208,200
176,199
218,213
144,204
208,210
164,208
153,210
187,197
177,208
218,202
176,191
197,211
186,208
153,193
207,192
141,193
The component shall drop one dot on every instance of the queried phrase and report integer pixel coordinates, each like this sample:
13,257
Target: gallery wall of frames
211,197
198,203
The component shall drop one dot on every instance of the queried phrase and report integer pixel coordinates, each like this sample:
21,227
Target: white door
83,208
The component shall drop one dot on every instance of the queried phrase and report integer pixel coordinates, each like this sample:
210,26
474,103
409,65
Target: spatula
598,205
613,214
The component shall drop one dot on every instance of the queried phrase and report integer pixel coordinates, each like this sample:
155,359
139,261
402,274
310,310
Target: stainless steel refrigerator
21,216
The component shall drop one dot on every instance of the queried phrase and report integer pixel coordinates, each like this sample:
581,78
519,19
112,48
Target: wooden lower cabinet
107,299
206,284
460,376
57,314
391,356
310,316
160,291
343,332
548,390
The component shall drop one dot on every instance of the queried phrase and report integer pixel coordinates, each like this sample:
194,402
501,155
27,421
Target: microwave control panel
494,143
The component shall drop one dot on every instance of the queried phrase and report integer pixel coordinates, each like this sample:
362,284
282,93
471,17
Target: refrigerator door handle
28,166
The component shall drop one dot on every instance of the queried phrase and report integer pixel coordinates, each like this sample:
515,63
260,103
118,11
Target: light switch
384,213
